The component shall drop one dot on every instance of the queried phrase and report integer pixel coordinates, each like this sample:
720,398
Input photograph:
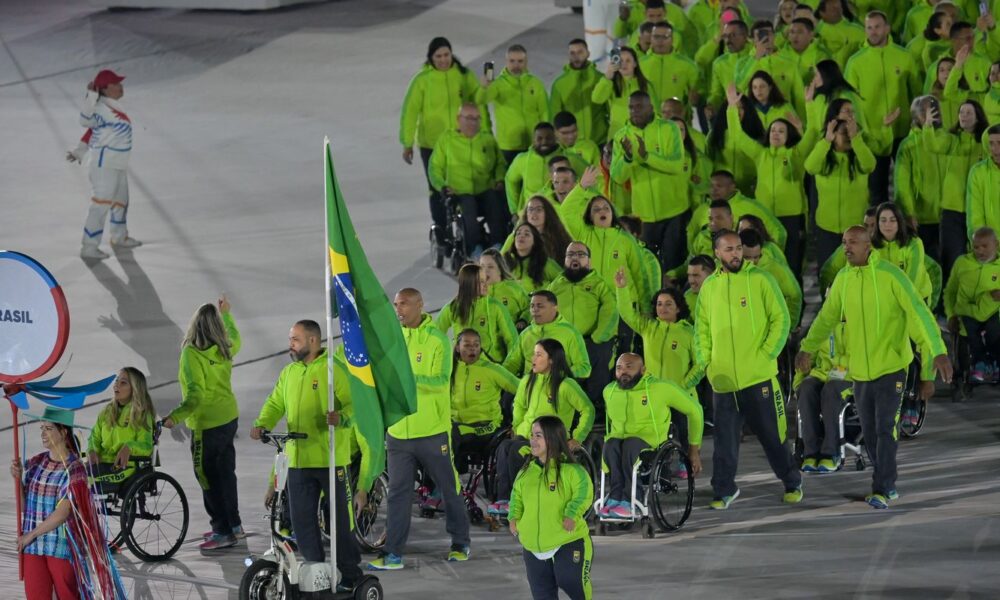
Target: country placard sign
34,319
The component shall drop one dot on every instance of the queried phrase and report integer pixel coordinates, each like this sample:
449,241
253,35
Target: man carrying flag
380,383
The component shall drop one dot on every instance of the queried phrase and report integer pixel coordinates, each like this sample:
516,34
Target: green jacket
685,35
724,73
585,152
476,389
604,93
885,78
741,326
515,299
969,285
667,348
589,305
671,75
959,152
205,377
981,206
883,313
107,438
829,359
917,178
704,16
572,91
991,104
916,20
842,40
740,205
469,166
729,158
519,360
805,62
780,171
301,396
537,402
659,182
519,103
431,103
842,198
645,290
644,411
541,499
785,73
490,319
791,291
911,260
528,173
519,270
430,357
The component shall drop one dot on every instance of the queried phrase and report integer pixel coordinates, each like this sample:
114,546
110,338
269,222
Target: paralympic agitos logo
15,316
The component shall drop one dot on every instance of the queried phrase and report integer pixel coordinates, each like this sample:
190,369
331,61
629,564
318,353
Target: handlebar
268,436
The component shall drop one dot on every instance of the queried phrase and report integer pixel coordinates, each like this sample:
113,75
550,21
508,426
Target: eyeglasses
533,209
577,254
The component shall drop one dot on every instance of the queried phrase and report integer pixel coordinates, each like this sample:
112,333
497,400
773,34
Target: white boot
89,251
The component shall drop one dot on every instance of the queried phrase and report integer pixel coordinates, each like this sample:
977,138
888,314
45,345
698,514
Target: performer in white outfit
598,25
109,142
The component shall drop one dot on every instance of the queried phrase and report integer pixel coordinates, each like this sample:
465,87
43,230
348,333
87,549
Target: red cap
106,78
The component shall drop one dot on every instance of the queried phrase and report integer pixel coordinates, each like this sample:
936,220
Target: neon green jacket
829,358
780,171
667,348
842,199
885,78
610,247
476,389
583,151
785,73
431,103
519,103
469,166
739,164
519,270
671,75
724,73
430,357
301,396
572,91
911,260
704,15
960,151
205,378
644,411
519,360
541,499
741,325
917,178
528,173
842,39
981,206
685,35
107,438
589,305
660,187
604,93
654,278
991,104
490,319
789,286
740,205
515,299
805,62
537,402
969,285
916,20
883,313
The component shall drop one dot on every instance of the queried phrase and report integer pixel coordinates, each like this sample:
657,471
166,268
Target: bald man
422,437
882,313
975,305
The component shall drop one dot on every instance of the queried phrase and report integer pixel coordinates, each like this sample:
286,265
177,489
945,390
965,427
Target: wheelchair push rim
669,497
154,517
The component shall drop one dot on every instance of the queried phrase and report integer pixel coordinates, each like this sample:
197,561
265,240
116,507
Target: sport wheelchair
147,510
849,434
450,244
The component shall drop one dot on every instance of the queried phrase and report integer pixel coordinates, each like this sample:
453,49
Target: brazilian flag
383,389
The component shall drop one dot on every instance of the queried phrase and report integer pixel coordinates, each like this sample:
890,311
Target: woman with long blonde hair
124,429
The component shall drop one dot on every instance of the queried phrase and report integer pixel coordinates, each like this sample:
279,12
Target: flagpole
332,499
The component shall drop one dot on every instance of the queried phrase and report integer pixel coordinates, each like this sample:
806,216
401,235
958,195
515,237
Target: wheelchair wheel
669,497
369,524
582,456
154,516
437,252
911,406
490,466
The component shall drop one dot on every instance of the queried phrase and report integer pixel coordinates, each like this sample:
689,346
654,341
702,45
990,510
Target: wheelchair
912,405
658,494
849,432
146,511
962,385
450,244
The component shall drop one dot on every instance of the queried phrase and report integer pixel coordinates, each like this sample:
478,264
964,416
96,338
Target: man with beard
883,313
546,322
529,172
571,92
638,412
519,102
590,306
301,396
741,325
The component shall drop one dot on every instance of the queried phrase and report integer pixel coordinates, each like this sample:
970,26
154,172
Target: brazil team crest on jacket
673,345
482,321
645,400
552,486
743,301
994,278
420,356
479,386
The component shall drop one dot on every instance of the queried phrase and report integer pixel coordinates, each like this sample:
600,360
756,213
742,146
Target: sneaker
622,510
458,553
892,495
792,495
499,508
828,464
809,464
238,533
723,502
682,472
978,373
605,510
877,501
430,503
345,586
386,562
128,242
218,542
92,252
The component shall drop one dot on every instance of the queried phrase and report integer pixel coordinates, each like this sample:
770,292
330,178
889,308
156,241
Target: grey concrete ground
230,110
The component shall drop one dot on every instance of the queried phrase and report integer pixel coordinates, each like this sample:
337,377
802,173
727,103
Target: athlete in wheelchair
822,401
145,509
639,479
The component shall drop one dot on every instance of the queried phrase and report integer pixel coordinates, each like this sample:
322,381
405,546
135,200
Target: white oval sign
34,319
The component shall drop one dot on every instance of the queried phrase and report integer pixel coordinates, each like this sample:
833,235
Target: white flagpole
329,372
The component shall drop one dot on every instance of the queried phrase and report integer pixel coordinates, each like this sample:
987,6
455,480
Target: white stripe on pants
109,191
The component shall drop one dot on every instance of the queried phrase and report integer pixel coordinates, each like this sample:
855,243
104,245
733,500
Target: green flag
383,389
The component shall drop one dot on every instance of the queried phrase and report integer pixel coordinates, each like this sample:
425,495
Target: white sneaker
92,252
128,242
